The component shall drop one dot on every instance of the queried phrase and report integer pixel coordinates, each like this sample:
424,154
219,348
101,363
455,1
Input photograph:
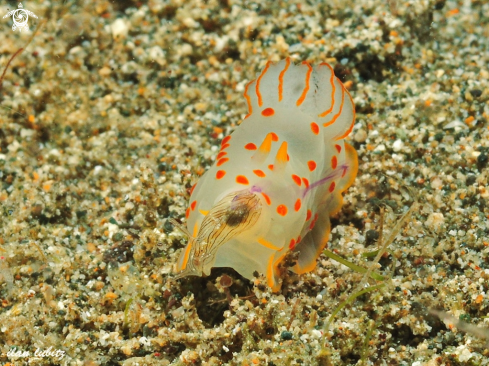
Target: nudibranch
277,178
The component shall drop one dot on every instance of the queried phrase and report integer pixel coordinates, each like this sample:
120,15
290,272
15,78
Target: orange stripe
332,92
282,153
258,94
266,145
352,122
333,120
186,255
281,79
270,279
306,88
267,199
248,99
267,244
352,159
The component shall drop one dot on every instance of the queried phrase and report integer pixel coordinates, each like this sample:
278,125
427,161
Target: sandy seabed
114,110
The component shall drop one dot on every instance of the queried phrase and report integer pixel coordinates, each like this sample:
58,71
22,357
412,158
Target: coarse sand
115,108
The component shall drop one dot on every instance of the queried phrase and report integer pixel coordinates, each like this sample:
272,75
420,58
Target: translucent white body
277,178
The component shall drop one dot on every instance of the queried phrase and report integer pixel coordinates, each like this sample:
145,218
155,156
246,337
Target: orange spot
292,244
309,214
241,179
250,146
313,222
187,213
225,146
299,239
305,181
297,205
315,128
259,173
312,165
225,140
192,205
222,161
267,112
297,179
282,210
248,100
192,189
220,174
331,186
267,199
221,154
274,136
338,148
270,167
333,89
258,94
281,79
306,88
281,156
334,162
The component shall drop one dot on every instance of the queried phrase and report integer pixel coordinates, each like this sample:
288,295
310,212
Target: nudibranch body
277,178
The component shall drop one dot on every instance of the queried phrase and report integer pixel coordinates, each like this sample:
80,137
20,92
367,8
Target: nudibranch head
233,215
